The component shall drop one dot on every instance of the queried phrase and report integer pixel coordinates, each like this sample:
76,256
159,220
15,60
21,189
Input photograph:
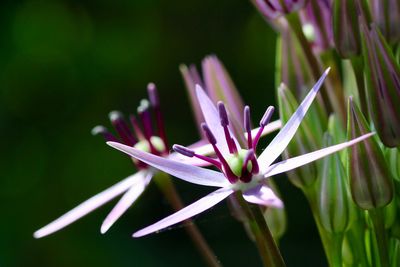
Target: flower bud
386,14
307,138
346,33
333,198
393,160
272,9
219,87
370,179
317,21
382,85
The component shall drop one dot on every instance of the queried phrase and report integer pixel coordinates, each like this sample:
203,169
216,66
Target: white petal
126,201
282,139
296,162
187,212
262,195
189,173
89,205
213,121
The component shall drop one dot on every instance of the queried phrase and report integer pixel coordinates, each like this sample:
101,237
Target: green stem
336,253
165,184
325,238
354,235
376,216
267,247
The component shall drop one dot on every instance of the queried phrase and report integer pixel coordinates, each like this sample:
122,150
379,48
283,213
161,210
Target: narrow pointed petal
213,120
193,209
189,173
282,139
263,195
296,162
89,205
126,201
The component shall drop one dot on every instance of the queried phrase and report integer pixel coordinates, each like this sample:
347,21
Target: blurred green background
63,66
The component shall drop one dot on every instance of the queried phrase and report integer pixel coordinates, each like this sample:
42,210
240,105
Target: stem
325,238
267,247
165,184
336,252
333,97
376,216
357,64
354,235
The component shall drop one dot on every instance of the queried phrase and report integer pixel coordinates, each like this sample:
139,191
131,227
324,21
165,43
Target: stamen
264,121
224,123
144,113
136,127
122,128
247,126
211,138
246,174
155,103
190,153
99,129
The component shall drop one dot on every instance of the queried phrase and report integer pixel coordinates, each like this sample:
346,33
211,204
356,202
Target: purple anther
263,122
210,136
247,126
223,115
122,128
183,150
153,95
104,132
267,116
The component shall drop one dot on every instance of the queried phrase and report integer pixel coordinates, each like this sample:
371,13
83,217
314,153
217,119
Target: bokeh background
63,66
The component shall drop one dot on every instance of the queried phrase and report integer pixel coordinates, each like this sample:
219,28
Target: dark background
63,66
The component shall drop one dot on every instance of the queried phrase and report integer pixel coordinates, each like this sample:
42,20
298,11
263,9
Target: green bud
345,28
307,138
382,75
393,160
333,198
370,179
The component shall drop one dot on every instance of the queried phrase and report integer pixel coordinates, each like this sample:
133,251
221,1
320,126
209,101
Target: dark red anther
122,128
155,103
104,132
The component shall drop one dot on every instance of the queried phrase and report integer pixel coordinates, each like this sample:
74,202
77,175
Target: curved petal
299,161
263,195
213,121
89,205
282,139
193,209
189,173
126,201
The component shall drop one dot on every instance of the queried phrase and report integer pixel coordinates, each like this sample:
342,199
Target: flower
142,138
240,169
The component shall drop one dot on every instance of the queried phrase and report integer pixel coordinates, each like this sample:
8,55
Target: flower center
236,163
